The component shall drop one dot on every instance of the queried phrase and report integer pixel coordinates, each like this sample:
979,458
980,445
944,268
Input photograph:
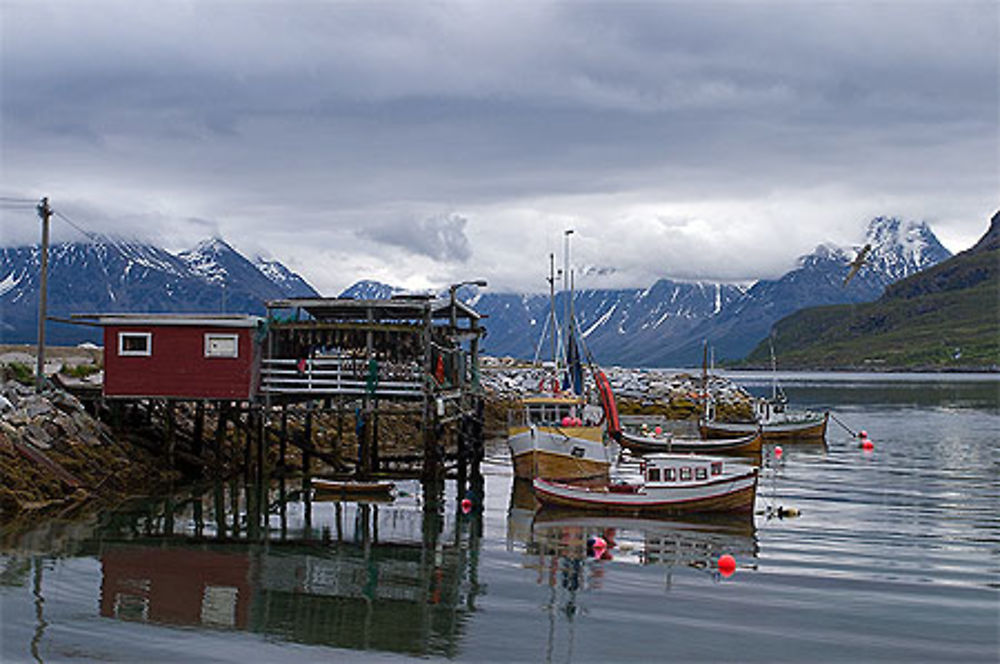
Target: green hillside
944,318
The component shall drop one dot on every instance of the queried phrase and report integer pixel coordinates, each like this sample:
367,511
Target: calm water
895,557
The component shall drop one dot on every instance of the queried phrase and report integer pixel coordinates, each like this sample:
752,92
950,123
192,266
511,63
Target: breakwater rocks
637,391
53,453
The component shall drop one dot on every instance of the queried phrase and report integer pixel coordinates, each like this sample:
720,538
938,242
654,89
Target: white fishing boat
549,438
669,484
555,434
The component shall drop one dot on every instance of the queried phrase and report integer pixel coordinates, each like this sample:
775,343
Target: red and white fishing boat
669,484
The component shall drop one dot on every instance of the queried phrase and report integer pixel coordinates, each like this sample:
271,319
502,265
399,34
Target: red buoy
658,430
778,451
466,505
867,445
567,421
599,546
726,565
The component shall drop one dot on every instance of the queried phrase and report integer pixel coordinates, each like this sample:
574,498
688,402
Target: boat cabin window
653,475
716,468
685,474
669,475
549,414
701,473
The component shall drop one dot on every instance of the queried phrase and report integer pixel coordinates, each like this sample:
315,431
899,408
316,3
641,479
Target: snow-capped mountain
667,323
370,290
110,275
291,284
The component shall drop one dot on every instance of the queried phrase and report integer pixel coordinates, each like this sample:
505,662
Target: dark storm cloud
441,237
330,121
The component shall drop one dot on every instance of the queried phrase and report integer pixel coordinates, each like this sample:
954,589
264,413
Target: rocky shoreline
674,396
55,456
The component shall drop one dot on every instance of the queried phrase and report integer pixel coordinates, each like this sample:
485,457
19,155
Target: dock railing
334,375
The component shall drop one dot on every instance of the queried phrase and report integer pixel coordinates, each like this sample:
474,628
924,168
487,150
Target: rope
846,428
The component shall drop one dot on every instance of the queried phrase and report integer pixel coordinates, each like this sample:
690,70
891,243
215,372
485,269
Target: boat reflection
397,578
559,543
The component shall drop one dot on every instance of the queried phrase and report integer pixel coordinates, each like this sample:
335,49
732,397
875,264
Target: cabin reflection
381,578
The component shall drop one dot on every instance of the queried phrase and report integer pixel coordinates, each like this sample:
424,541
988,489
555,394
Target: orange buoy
726,565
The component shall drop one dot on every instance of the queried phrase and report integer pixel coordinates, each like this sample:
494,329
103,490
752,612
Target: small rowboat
371,489
646,444
670,484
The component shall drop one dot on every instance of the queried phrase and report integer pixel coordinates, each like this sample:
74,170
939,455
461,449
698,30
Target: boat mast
552,305
566,308
774,370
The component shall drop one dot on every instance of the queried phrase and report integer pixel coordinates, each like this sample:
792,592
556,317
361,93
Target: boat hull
560,454
353,488
749,444
778,432
724,495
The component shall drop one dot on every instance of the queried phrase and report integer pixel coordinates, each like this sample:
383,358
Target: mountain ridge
946,317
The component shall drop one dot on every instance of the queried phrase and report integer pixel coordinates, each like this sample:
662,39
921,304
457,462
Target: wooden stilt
197,444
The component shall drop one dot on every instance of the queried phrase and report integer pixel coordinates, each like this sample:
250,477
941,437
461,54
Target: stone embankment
637,391
53,454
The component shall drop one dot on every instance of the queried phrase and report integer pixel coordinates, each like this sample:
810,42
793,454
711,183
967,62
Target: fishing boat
668,484
554,433
549,438
653,443
776,423
771,418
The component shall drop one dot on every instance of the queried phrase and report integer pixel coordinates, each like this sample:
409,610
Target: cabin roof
191,320
399,307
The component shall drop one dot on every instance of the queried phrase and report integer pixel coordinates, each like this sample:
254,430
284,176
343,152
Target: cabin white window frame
669,475
211,353
701,473
686,474
653,475
145,352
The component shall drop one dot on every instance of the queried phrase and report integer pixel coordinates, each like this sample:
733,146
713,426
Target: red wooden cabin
181,356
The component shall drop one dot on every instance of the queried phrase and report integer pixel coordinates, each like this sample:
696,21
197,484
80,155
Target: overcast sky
423,143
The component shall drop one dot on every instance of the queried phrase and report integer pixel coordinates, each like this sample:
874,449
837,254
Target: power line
93,237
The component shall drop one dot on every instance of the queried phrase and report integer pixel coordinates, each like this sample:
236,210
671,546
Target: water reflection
559,543
389,577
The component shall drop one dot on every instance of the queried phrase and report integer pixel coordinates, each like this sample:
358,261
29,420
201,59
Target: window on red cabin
717,468
135,344
222,345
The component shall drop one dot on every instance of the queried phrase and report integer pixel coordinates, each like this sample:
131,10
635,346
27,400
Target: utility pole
45,213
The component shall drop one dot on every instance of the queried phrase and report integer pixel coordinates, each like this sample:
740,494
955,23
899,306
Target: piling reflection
398,577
